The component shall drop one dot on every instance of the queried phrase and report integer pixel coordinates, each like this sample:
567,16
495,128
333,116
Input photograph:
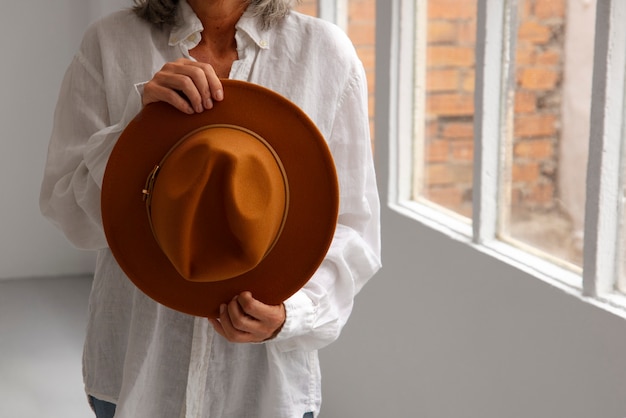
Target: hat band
149,187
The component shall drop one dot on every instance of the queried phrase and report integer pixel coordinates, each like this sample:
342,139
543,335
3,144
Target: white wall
37,43
446,331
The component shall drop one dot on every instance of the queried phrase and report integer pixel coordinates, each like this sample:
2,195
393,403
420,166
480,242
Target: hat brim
313,199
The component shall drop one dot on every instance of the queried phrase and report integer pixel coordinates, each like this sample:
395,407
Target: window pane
544,197
445,106
309,7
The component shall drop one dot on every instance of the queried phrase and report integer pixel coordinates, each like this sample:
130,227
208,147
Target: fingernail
209,103
219,95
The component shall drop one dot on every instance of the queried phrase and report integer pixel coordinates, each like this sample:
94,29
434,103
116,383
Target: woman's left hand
246,320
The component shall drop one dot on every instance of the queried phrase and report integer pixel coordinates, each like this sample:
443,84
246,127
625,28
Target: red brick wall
450,60
308,7
539,64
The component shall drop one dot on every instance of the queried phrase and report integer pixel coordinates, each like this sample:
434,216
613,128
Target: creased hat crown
218,203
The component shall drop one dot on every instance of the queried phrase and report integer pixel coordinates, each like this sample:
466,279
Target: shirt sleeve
81,142
317,313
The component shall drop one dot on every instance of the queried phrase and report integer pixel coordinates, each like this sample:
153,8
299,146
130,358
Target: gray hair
163,12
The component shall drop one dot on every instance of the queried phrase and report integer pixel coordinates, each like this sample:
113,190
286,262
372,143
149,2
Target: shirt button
263,43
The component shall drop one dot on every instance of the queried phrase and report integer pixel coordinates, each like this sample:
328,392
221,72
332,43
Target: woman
142,359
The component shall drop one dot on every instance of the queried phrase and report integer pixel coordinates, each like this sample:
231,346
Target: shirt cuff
300,313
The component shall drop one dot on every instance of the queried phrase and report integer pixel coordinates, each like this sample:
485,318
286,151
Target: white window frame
603,208
604,190
335,11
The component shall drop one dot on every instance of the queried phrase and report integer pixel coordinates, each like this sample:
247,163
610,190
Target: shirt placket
203,333
246,51
201,345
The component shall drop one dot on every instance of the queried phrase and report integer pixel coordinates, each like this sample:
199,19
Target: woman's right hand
189,86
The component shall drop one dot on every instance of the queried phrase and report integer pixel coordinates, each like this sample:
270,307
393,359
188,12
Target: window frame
602,209
595,283
335,11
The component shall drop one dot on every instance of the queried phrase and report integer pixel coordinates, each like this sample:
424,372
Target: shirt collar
251,26
188,29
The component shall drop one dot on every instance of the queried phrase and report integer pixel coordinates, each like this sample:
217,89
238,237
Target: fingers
188,85
245,319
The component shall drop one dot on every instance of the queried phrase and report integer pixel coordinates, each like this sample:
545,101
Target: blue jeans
102,409
107,410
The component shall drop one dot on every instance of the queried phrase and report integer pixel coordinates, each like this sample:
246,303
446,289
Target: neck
218,18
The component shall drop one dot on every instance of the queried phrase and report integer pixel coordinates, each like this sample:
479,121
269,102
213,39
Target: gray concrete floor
42,326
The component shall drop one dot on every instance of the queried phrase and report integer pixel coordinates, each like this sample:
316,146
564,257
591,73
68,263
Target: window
513,135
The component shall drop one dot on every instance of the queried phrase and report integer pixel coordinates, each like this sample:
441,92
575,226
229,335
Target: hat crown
219,203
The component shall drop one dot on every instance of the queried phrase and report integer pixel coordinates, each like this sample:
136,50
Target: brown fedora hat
199,208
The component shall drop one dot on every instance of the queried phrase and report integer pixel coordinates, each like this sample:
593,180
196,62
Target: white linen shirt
155,362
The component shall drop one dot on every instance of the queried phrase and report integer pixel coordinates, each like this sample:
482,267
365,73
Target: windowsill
567,280
451,226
